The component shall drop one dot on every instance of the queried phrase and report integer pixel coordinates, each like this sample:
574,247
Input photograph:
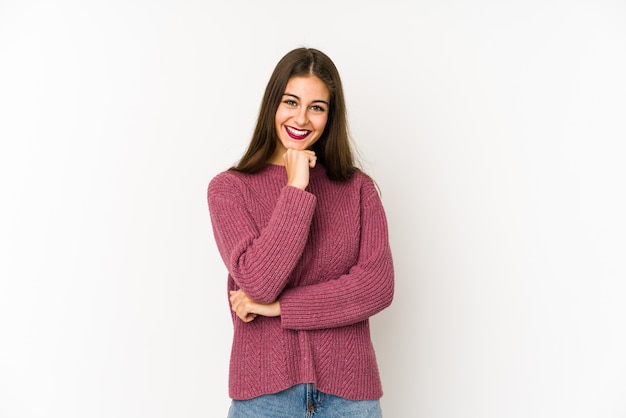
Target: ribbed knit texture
324,254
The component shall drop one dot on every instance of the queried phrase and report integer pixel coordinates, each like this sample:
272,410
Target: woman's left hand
247,309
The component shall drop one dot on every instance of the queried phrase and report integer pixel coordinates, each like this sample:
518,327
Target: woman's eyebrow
314,101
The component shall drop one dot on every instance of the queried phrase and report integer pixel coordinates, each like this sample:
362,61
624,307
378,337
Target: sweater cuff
297,204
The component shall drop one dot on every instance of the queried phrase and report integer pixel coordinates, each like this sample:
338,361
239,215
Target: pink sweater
324,253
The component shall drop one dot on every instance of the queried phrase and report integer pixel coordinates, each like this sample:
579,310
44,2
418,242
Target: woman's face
301,115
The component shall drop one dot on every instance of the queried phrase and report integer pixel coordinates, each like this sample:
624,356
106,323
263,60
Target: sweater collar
276,170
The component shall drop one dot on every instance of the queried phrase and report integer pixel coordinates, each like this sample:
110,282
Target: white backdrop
494,129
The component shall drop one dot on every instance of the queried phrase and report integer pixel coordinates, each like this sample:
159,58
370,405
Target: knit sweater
324,254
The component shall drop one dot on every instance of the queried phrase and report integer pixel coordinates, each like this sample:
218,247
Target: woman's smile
297,134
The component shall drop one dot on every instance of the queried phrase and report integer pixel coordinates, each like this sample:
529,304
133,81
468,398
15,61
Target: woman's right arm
259,260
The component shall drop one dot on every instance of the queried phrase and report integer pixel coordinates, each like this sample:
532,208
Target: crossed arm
363,291
261,261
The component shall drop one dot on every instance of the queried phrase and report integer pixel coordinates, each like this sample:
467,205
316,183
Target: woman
303,235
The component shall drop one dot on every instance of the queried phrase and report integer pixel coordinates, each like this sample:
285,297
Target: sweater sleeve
353,297
259,260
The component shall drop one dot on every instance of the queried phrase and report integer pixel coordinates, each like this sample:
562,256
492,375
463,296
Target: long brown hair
333,147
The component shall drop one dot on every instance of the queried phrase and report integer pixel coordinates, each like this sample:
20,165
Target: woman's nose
301,117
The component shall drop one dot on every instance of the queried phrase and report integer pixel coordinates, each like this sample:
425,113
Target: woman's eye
290,102
317,108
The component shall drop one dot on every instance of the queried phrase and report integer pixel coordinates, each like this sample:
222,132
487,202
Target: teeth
296,132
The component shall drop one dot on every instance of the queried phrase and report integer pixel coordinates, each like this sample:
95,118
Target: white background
495,130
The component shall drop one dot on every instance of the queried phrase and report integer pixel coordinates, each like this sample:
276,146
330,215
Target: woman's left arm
353,297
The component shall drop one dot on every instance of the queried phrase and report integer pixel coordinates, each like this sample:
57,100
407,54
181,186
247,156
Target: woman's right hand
297,164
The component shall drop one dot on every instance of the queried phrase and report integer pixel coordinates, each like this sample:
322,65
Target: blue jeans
304,401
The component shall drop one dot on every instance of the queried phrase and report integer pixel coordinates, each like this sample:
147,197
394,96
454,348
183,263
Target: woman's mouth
297,134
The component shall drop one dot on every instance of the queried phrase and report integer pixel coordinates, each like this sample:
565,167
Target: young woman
303,234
